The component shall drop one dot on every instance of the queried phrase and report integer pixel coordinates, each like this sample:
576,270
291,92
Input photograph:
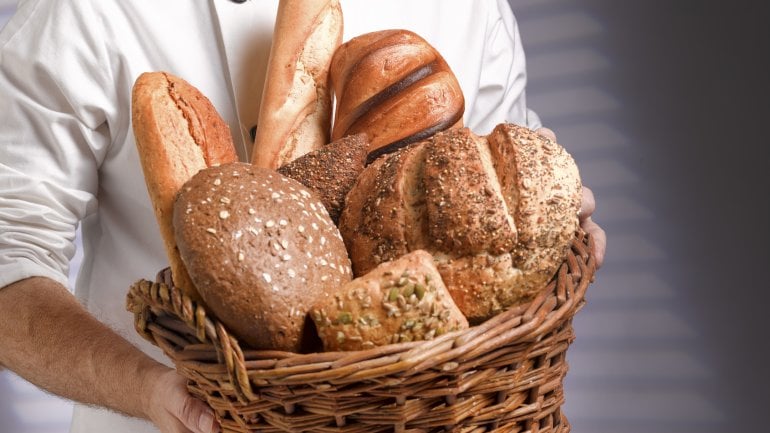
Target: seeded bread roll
331,170
177,132
498,213
398,301
261,249
394,86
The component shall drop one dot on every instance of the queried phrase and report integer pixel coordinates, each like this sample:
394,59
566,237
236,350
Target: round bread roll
498,213
261,249
398,301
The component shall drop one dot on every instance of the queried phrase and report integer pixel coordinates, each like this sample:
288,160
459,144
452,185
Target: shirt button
238,1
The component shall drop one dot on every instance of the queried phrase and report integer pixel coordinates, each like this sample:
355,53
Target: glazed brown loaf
295,114
177,132
261,249
398,301
498,213
396,88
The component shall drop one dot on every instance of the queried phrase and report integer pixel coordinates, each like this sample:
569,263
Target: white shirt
67,152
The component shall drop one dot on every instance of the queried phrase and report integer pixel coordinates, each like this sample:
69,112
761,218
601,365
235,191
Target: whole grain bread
331,170
398,301
498,213
261,249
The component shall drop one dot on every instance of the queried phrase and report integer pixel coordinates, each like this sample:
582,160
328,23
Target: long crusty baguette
295,114
178,132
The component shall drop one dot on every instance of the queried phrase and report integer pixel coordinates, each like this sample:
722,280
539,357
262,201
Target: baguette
178,133
295,113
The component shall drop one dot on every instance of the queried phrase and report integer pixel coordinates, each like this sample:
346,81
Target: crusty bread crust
295,113
398,301
395,87
331,170
261,249
177,132
498,213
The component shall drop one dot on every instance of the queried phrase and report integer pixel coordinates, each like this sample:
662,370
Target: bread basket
504,375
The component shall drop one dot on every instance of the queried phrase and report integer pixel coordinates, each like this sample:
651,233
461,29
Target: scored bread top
498,213
395,87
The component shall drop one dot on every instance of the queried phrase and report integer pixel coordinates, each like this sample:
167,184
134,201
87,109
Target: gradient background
664,105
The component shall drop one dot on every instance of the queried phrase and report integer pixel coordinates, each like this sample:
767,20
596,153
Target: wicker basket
504,375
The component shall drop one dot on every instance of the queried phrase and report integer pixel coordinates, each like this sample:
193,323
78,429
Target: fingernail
206,423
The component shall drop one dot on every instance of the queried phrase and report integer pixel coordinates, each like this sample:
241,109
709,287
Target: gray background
664,105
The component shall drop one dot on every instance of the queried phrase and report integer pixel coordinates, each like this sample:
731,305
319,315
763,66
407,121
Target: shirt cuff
23,268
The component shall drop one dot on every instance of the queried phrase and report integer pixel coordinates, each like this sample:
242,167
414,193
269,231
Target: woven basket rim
185,331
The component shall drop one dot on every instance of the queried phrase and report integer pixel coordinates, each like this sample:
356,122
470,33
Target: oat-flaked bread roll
331,170
295,113
261,250
177,132
398,301
498,213
395,87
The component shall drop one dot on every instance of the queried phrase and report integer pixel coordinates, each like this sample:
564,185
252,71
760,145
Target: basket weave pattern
504,375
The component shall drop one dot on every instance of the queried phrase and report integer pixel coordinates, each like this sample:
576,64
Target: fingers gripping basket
504,375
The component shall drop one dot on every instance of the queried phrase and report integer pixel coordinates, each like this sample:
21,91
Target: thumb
546,132
197,416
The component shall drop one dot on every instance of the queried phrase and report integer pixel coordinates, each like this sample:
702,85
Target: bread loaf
398,301
331,170
498,213
295,113
261,249
177,132
395,87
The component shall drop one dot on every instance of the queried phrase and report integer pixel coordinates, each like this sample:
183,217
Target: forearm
48,338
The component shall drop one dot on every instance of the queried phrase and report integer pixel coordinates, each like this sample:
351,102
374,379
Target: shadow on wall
644,95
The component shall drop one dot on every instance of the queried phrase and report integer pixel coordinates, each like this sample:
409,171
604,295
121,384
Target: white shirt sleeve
503,80
51,139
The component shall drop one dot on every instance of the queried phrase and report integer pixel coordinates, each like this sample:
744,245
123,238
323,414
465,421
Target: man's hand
170,406
587,207
48,338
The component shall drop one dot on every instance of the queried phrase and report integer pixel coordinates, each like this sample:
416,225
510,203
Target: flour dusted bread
261,249
398,301
177,132
295,114
498,213
395,87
